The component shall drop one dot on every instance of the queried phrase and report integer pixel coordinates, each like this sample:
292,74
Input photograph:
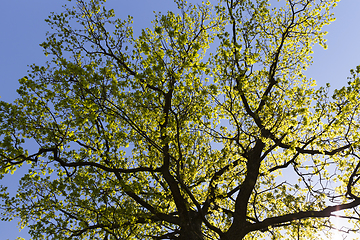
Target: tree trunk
235,233
191,230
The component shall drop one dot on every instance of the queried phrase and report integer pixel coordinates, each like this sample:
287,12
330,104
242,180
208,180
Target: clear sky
23,28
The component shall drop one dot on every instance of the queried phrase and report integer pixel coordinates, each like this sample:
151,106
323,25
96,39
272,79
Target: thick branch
327,212
247,187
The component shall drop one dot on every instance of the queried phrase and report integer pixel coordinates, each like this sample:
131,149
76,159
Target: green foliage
202,127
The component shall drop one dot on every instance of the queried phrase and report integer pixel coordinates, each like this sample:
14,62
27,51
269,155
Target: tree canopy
204,126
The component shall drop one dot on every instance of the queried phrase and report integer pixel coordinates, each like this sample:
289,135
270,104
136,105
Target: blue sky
23,28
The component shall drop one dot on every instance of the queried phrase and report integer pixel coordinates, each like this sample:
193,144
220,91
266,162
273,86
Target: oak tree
202,127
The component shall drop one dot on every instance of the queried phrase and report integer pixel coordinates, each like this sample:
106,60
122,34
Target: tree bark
191,230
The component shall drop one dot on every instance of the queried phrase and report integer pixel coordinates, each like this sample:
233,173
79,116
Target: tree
185,131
